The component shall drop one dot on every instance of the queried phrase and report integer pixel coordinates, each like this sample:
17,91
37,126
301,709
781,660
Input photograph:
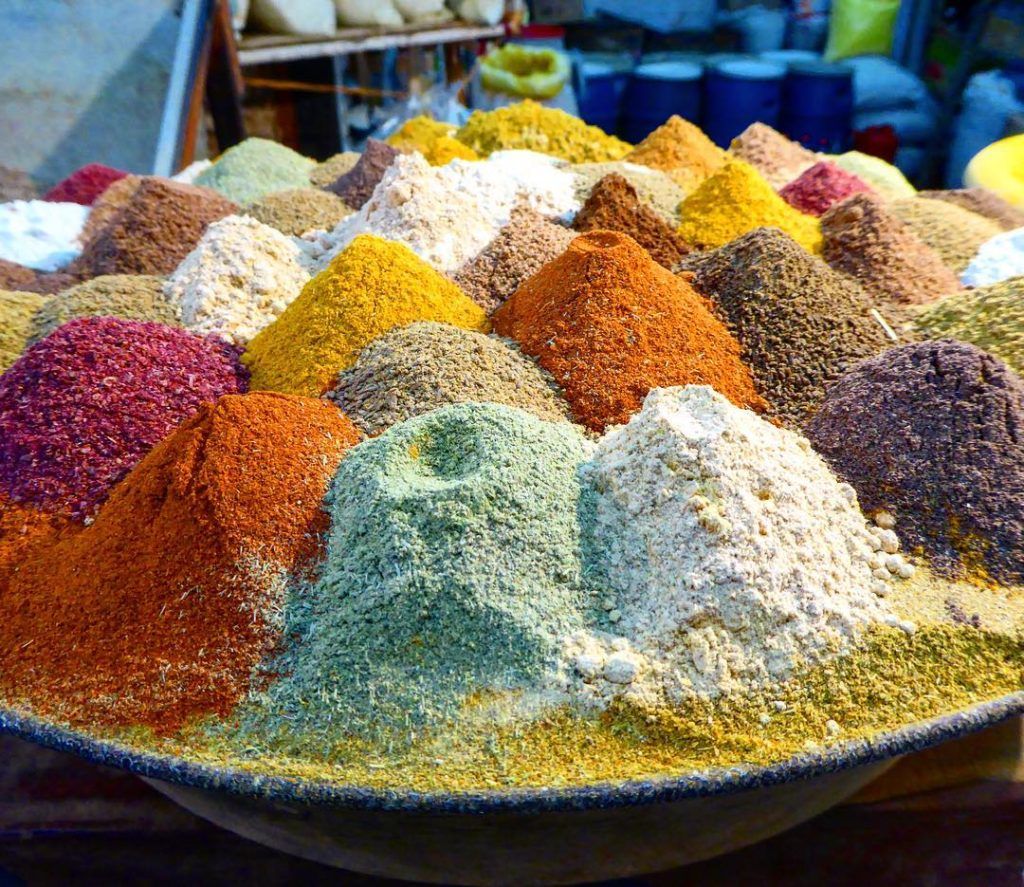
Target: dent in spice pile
17,313
254,168
238,279
884,178
356,185
953,232
863,240
820,187
614,205
108,205
991,317
81,407
434,140
39,234
679,148
162,607
778,159
997,259
533,127
300,210
520,249
983,202
160,225
128,296
407,620
736,200
16,184
610,324
333,167
655,188
85,184
934,433
799,323
414,369
370,287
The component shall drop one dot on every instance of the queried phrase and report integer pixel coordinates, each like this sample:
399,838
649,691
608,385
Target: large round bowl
536,836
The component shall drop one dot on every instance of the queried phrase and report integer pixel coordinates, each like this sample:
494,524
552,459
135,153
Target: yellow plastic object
521,71
1000,168
861,27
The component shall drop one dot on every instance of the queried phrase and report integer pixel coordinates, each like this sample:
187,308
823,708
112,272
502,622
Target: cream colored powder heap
239,278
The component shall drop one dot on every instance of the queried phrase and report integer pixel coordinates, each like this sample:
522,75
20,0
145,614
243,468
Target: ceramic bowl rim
604,795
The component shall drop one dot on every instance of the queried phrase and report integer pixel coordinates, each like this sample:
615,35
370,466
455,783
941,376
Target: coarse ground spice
991,317
128,296
820,187
615,206
17,313
85,184
884,178
23,529
681,150
300,210
934,433
154,231
254,168
414,369
356,186
80,408
531,126
16,184
371,286
864,240
520,249
799,323
778,159
983,202
336,165
953,232
108,205
655,188
610,324
162,607
433,139
736,200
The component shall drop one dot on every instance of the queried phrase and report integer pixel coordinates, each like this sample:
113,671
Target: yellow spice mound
370,287
735,200
680,149
530,126
433,139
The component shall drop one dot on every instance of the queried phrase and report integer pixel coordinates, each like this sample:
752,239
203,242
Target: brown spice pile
15,184
333,167
655,188
615,206
983,202
610,324
526,243
156,229
356,186
778,159
296,211
27,280
953,232
862,239
108,205
680,149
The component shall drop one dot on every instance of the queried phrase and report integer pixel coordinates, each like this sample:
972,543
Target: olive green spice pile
953,232
17,313
337,165
299,210
984,203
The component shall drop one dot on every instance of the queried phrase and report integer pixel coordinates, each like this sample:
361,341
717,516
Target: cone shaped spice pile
822,186
953,232
984,203
777,158
680,149
355,186
84,185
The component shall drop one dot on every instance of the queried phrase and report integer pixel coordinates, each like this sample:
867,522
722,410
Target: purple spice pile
356,186
80,408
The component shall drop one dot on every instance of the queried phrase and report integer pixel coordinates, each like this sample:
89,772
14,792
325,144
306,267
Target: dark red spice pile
84,185
356,186
822,186
934,433
80,408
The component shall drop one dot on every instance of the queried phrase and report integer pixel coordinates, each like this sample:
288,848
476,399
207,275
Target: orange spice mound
23,529
609,323
162,607
680,149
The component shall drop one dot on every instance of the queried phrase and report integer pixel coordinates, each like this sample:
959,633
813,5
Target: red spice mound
613,205
823,185
609,323
163,606
156,229
84,185
81,407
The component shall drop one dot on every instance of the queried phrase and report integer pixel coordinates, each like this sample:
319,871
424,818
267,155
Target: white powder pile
192,172
448,214
41,234
998,259
732,553
241,275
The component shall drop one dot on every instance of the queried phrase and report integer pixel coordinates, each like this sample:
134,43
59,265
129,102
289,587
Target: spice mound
609,323
934,432
983,202
39,234
820,187
356,185
614,205
85,184
333,167
408,623
299,210
736,200
778,159
998,259
680,149
884,178
418,368
254,168
80,408
370,287
434,140
953,232
161,608
108,205
18,311
656,188
799,323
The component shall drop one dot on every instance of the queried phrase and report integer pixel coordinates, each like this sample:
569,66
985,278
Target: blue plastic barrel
658,90
740,92
599,92
818,106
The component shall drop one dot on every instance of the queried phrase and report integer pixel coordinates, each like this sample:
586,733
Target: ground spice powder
336,165
610,324
655,188
983,202
433,139
254,168
17,315
953,232
85,184
778,159
820,187
299,210
356,186
108,205
679,148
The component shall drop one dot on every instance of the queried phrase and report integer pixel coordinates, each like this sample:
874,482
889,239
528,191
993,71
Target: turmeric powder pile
433,139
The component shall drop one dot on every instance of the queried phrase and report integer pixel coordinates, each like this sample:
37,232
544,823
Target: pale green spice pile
254,168
17,312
